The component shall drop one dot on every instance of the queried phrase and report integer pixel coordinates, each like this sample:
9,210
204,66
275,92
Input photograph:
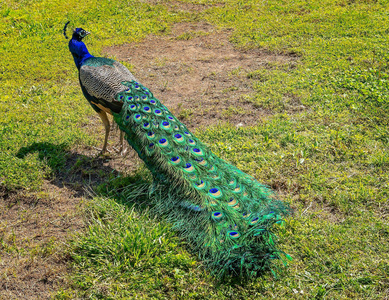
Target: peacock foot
102,152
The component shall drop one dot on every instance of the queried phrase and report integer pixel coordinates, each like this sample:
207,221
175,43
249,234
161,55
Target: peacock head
76,45
79,34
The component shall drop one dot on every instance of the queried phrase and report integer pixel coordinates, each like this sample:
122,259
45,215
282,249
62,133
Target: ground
294,93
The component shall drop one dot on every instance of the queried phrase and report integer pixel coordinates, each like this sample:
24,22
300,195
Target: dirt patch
33,228
198,74
175,6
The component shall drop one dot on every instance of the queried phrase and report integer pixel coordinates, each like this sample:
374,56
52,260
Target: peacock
226,216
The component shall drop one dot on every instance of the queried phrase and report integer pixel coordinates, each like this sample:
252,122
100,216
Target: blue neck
79,51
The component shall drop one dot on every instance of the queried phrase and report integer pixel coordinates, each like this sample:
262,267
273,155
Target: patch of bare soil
33,227
174,6
198,74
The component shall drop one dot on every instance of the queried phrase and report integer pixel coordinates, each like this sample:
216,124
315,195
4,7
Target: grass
329,160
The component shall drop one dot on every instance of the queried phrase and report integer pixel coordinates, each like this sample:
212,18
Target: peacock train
226,215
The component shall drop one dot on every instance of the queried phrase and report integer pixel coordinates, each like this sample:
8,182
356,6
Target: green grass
329,160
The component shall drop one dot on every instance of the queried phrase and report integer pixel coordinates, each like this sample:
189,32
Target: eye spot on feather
175,160
163,142
215,192
232,202
200,185
197,152
192,142
150,135
217,215
246,215
202,162
233,234
254,221
158,112
166,126
188,168
179,138
237,189
137,118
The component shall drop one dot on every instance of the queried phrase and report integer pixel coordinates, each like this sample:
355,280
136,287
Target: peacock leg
122,150
104,118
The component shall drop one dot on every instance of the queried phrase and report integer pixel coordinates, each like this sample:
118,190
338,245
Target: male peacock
225,214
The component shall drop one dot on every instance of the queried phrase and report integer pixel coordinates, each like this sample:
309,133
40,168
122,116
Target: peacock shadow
85,175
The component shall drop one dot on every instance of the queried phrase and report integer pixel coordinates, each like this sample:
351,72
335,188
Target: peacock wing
102,79
125,73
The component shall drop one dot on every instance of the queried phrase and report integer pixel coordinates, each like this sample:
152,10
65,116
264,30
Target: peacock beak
86,33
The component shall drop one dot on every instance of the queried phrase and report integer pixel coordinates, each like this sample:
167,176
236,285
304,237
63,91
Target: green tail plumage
225,214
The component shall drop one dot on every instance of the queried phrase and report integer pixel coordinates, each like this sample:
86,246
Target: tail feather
225,214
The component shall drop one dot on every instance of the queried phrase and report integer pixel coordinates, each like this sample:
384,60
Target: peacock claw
105,153
102,152
120,148
120,151
123,152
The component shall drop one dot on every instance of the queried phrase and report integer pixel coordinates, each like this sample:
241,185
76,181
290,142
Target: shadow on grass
70,169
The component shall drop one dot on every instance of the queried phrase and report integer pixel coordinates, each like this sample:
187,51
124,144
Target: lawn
321,142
